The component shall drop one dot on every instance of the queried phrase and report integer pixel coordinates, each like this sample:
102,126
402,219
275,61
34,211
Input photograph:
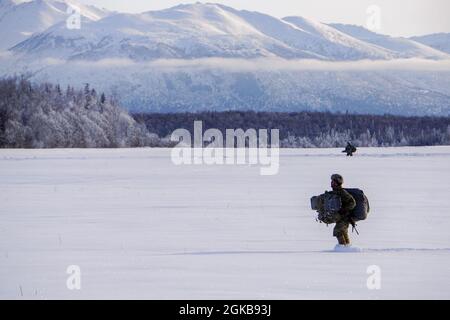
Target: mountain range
35,32
192,31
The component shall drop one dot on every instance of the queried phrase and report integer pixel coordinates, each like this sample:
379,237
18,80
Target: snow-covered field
140,227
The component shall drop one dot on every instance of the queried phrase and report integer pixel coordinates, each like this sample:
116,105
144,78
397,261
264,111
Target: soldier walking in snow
349,149
344,207
342,217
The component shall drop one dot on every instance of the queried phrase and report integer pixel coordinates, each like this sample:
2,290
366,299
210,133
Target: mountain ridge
199,57
213,30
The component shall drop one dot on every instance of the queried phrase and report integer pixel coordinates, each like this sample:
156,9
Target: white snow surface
140,227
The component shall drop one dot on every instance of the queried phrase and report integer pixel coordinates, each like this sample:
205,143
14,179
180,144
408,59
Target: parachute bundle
327,205
328,202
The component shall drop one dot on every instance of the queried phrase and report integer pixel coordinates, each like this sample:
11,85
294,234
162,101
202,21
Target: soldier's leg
347,238
340,231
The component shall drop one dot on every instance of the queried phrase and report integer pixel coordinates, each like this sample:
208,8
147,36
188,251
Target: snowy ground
140,227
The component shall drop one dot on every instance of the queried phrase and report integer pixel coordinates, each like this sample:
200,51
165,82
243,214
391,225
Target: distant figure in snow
342,217
349,149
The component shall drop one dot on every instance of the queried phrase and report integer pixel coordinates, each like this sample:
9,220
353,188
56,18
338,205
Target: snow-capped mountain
198,31
149,76
438,41
191,31
20,19
403,47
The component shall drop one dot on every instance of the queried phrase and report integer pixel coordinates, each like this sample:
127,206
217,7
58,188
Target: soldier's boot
341,240
347,239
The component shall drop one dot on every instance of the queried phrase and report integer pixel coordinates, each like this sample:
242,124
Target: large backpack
327,202
362,207
327,205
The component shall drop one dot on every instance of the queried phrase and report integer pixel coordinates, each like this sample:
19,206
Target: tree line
314,129
47,116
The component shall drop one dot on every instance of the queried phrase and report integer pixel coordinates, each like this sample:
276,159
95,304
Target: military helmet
337,178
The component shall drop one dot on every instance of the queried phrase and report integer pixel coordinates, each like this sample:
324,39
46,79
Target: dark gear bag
362,207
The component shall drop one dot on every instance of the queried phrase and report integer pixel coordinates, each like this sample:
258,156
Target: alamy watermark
373,21
74,19
239,147
374,279
73,282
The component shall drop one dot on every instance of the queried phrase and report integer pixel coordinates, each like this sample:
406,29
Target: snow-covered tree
41,116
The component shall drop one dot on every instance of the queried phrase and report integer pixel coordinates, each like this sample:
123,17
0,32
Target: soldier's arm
348,202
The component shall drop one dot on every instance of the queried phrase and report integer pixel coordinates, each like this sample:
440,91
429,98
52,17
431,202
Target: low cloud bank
242,65
269,64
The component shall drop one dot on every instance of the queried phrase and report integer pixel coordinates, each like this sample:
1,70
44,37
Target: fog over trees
48,116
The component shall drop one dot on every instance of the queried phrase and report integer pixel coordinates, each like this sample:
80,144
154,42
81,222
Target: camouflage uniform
342,219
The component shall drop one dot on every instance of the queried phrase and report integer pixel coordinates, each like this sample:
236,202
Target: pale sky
397,17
